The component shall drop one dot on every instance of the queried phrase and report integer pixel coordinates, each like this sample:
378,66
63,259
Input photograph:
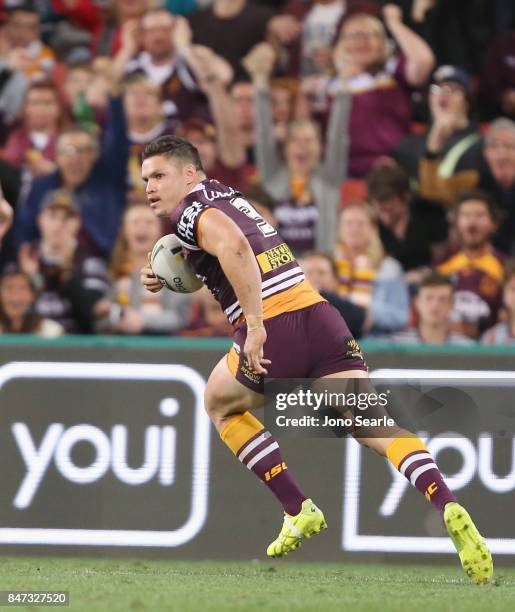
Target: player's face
167,183
434,305
474,224
509,295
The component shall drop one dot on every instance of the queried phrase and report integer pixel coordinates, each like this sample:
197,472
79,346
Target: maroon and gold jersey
477,289
284,287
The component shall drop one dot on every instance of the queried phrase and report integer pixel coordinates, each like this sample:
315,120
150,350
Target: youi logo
122,437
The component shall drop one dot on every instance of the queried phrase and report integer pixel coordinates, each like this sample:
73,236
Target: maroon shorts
307,343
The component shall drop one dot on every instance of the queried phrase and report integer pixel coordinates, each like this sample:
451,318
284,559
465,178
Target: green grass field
140,584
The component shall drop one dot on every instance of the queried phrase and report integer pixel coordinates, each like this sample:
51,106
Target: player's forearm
241,269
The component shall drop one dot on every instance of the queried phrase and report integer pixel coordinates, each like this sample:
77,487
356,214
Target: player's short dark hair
435,280
482,196
173,146
387,182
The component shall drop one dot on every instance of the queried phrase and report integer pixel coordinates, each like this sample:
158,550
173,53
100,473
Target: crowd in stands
377,137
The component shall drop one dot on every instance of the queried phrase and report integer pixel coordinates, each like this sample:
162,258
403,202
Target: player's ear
189,172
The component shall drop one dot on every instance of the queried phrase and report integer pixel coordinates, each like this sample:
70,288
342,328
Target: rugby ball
170,267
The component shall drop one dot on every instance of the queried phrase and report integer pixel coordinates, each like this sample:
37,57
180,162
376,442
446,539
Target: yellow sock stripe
401,447
239,430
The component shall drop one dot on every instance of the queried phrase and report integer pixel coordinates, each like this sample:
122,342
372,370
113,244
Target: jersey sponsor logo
186,225
214,194
275,258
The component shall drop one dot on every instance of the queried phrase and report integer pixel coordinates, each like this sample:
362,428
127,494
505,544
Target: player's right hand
148,279
253,350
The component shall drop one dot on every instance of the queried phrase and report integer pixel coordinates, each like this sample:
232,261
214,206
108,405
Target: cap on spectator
59,198
197,125
444,74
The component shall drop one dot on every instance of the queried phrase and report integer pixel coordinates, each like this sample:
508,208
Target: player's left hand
253,350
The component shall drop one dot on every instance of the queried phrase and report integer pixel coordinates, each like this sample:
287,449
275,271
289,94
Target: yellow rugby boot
475,557
309,521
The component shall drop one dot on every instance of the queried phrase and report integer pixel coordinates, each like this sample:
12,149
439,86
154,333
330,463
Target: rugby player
283,328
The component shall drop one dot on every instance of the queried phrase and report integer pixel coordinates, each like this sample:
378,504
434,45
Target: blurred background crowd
379,138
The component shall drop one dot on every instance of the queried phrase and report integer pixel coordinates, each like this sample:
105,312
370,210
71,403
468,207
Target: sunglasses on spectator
448,88
70,150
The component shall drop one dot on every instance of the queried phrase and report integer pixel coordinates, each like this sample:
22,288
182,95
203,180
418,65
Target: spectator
6,218
32,145
411,230
282,100
17,316
322,273
94,176
208,319
108,39
314,26
242,94
167,60
457,31
452,133
221,150
366,275
146,120
476,269
13,86
26,52
497,82
306,187
495,174
504,331
70,280
10,183
381,83
230,28
85,91
433,305
133,309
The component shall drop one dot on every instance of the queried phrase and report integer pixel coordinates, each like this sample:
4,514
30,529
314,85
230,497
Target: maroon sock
423,473
262,455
